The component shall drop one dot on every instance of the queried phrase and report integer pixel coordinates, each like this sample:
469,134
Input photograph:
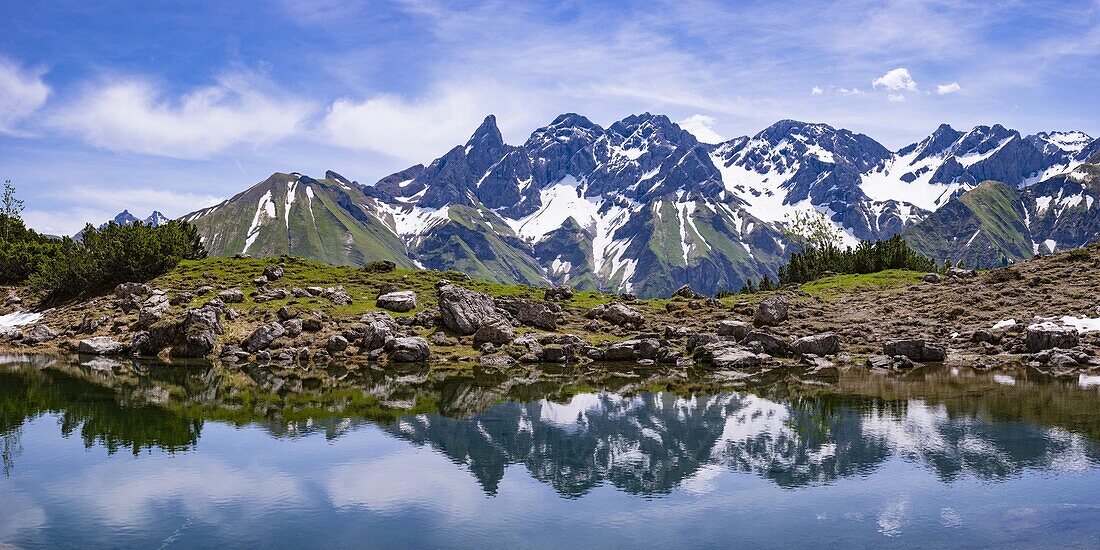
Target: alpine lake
129,454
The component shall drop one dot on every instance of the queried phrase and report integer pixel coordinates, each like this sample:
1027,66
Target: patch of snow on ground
1082,324
291,193
1051,244
1004,324
265,207
559,202
19,318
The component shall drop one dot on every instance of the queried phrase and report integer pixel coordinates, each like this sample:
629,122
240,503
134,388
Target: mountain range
643,206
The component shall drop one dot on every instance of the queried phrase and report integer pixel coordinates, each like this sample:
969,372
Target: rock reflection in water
574,430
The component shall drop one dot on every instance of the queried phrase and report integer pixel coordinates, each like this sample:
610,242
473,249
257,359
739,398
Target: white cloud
702,127
22,92
944,89
897,79
816,90
896,98
849,91
133,115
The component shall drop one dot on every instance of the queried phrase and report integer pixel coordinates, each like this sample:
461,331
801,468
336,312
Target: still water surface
135,455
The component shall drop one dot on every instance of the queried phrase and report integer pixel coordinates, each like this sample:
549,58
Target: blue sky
174,105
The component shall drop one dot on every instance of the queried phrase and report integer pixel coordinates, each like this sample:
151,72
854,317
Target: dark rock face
1042,337
464,310
914,349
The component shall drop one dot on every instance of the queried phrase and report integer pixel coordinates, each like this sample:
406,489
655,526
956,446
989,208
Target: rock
827,343
8,334
499,360
1043,336
151,314
39,334
181,298
464,310
769,343
285,313
932,278
263,336
961,273
100,345
378,329
293,327
734,329
495,330
725,355
126,290
401,301
268,294
617,313
260,281
273,272
409,350
818,365
530,312
312,324
771,311
204,290
336,344
990,336
231,296
558,293
642,348
915,349
380,266
684,292
339,297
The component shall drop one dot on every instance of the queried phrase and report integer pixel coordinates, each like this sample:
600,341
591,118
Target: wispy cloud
135,115
944,89
22,92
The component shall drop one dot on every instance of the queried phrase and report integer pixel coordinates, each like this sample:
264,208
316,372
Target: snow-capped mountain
156,219
639,206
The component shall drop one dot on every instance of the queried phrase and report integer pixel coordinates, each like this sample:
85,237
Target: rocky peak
124,218
485,147
156,219
935,145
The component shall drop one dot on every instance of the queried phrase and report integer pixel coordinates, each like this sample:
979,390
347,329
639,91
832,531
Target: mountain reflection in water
576,430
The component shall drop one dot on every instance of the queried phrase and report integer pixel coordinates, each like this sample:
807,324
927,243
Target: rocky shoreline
435,318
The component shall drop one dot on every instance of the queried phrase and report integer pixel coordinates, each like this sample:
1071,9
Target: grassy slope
991,212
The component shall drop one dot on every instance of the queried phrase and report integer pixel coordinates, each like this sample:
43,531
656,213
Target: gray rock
293,327
559,293
38,334
100,345
200,329
915,349
126,290
411,349
1044,336
336,344
378,328
827,343
961,273
231,296
401,301
463,310
263,336
932,278
771,311
530,312
769,343
734,329
729,355
312,324
617,313
273,272
495,330
151,313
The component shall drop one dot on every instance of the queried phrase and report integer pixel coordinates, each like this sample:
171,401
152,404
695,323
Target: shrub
115,254
1078,254
22,250
866,257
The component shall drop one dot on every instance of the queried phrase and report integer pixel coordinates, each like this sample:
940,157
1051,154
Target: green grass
835,286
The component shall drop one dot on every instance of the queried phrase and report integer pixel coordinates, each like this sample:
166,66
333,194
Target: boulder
827,343
617,313
559,293
400,301
530,312
769,343
273,272
915,349
126,290
1043,336
231,296
734,329
961,273
100,345
771,311
932,278
336,344
200,329
312,324
725,354
340,297
39,334
263,336
495,330
293,327
410,349
684,292
642,348
378,328
463,310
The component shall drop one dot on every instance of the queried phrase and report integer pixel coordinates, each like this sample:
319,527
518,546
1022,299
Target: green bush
115,254
22,250
866,257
